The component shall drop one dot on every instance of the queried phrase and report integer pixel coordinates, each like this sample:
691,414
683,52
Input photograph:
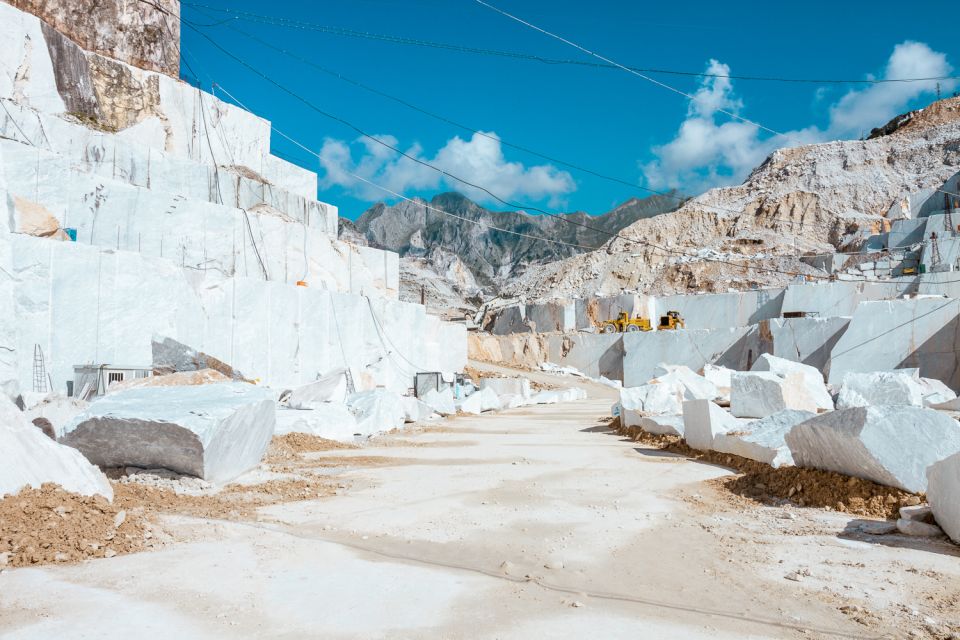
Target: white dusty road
532,523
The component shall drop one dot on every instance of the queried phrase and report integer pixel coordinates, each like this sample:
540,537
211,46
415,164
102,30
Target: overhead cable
444,172
680,199
629,70
404,40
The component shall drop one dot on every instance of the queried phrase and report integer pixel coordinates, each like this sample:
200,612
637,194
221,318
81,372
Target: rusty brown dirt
763,484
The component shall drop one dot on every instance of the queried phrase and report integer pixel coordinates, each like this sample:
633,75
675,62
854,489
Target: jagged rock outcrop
819,197
143,34
462,256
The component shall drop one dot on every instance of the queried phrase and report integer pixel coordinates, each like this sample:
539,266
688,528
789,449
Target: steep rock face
464,250
820,197
136,32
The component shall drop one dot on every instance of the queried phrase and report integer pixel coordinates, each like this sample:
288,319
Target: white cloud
877,104
705,153
711,149
479,160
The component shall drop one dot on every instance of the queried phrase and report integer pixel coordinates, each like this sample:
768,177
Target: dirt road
530,523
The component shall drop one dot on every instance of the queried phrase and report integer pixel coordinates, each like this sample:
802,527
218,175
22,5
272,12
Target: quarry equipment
671,321
624,323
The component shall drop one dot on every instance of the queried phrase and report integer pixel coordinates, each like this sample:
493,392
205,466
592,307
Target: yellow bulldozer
625,324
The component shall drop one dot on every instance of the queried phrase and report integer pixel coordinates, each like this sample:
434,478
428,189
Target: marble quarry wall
84,304
896,334
134,205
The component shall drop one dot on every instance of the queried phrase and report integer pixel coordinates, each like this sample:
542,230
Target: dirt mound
234,502
50,525
289,446
804,487
47,525
815,488
179,379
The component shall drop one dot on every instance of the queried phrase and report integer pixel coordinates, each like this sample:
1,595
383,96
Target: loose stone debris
231,265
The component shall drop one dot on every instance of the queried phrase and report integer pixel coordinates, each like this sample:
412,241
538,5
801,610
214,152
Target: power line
412,200
190,68
629,70
643,243
409,105
666,194
517,233
892,329
403,40
379,141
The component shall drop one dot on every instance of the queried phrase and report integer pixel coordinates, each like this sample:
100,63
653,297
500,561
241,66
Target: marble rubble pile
886,426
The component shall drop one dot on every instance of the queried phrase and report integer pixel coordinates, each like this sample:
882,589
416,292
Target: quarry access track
533,522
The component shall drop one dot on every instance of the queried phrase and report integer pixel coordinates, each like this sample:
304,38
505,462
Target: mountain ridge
478,249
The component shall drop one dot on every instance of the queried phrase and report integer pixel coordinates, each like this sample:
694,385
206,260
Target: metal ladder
39,370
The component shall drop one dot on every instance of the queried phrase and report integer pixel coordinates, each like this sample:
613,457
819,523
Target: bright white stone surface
891,445
693,348
696,387
943,494
82,304
377,411
723,310
31,459
813,379
666,398
440,401
662,425
935,392
703,420
917,528
330,387
472,404
763,440
507,386
489,400
758,394
213,431
59,410
415,409
880,388
557,395
893,334
331,420
720,377
807,340
186,204
9,383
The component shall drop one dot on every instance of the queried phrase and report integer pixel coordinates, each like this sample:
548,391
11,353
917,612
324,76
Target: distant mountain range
466,239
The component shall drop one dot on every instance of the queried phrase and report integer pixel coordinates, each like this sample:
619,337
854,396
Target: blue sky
602,119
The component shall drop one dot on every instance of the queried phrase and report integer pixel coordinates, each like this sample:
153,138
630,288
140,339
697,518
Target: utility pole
934,250
948,215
